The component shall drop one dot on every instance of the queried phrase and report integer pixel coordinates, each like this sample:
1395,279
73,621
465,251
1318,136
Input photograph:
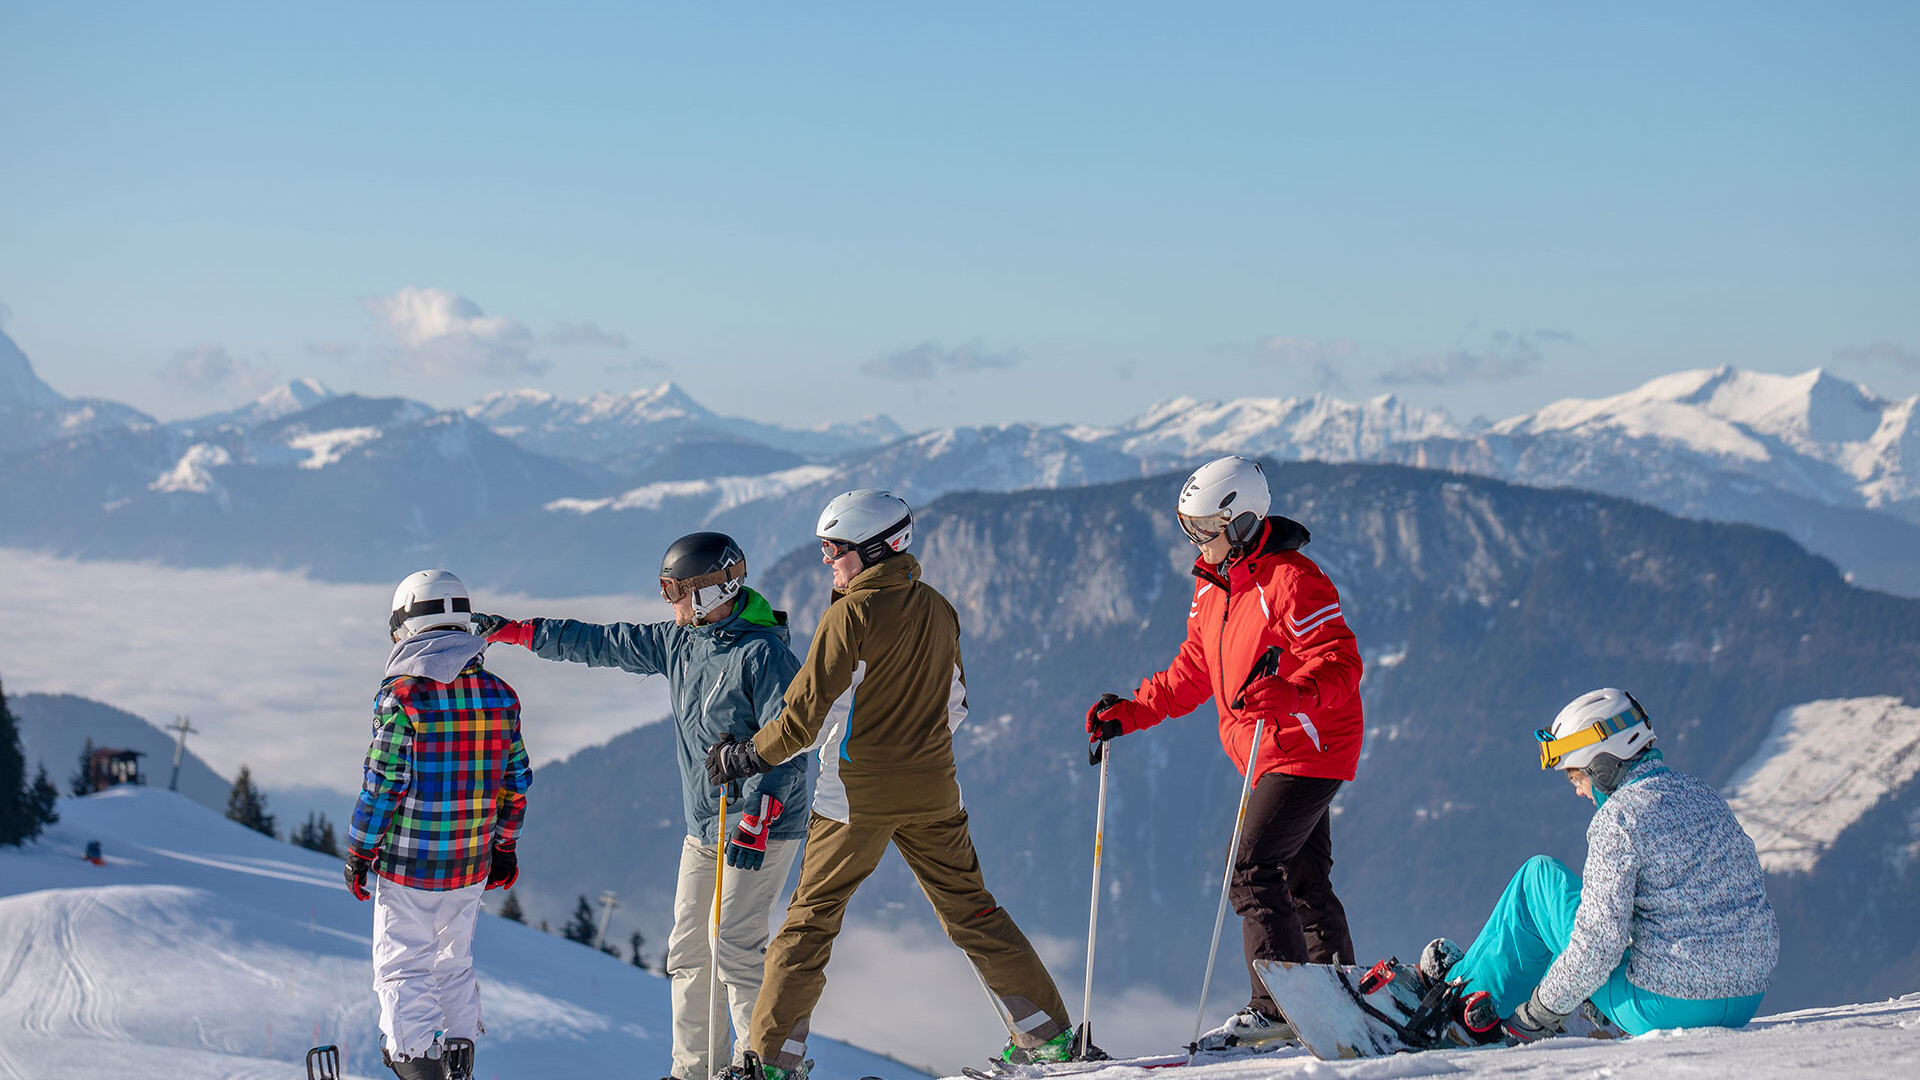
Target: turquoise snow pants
1532,924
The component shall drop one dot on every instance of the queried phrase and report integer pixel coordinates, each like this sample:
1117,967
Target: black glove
503,870
484,625
728,760
358,863
1533,1021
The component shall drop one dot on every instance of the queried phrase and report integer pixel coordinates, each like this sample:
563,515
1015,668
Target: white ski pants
423,964
745,908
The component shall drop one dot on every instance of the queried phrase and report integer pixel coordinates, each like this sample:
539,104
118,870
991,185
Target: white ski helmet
879,524
429,600
1605,721
1229,495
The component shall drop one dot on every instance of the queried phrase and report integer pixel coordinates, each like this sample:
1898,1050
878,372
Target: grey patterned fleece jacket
1669,872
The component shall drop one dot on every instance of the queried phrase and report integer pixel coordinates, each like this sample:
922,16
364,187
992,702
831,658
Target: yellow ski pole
715,1027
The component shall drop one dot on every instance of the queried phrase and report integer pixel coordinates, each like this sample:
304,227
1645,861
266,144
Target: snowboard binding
459,1059
323,1063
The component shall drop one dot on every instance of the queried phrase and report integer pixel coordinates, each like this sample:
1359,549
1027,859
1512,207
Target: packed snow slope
204,950
1881,1039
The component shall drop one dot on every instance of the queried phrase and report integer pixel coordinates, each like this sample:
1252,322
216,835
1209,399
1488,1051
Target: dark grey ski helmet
708,566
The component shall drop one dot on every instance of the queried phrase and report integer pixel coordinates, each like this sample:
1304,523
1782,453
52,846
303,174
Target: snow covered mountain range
546,492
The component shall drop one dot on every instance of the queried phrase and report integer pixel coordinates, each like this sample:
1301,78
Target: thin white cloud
930,359
330,350
208,367
1882,353
569,335
1316,359
1502,356
439,332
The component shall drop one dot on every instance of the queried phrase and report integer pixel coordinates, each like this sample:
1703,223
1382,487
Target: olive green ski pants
837,858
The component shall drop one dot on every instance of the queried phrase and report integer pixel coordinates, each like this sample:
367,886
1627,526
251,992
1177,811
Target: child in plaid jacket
439,812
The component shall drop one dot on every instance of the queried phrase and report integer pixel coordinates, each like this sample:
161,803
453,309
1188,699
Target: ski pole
1093,906
714,1040
1226,880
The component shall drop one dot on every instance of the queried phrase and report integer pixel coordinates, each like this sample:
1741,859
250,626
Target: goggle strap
1552,749
436,606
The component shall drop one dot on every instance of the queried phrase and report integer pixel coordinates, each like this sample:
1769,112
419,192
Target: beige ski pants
745,910
940,853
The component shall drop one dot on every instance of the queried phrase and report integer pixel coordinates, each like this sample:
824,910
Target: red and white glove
749,848
358,863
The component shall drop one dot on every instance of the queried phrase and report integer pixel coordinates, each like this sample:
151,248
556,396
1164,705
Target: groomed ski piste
203,950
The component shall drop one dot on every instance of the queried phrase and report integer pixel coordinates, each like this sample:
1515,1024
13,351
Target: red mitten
1271,697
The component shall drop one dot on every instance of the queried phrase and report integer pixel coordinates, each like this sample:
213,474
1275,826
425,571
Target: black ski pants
1282,884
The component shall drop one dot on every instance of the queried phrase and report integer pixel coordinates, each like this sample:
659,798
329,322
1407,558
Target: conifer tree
581,927
316,834
634,942
17,821
41,799
246,805
81,782
510,909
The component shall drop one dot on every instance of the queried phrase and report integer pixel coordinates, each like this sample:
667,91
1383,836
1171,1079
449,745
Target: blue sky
986,213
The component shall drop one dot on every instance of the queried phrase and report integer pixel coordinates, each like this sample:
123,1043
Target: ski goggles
1202,530
833,549
1552,749
672,589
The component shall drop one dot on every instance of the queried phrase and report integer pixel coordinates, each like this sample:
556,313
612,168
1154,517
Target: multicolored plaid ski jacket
446,779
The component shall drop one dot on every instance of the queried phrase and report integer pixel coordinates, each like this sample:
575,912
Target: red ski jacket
1271,599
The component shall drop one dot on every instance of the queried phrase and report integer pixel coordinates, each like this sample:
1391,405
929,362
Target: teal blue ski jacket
728,678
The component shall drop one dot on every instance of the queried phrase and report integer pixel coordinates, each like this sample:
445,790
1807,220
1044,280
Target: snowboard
1342,1011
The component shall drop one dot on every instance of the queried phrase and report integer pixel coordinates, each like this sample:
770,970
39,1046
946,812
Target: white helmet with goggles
879,524
1606,721
429,600
1228,496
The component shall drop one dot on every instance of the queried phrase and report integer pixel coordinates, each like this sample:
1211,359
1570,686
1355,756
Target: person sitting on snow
440,808
1669,927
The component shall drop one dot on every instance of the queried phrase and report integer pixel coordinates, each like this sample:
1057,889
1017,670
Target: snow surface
326,447
194,471
1876,1040
204,950
1822,766
721,492
1751,418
